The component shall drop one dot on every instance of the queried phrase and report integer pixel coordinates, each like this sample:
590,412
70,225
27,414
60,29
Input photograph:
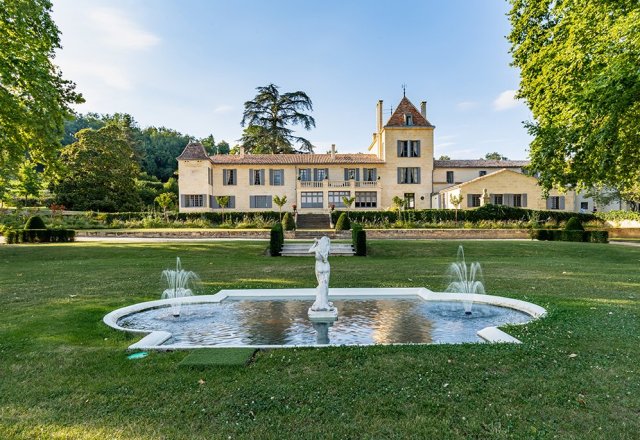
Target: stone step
302,250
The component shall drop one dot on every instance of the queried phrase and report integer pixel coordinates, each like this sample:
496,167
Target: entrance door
410,200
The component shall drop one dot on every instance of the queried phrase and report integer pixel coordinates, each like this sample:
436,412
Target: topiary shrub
35,222
276,240
343,224
288,223
361,243
573,224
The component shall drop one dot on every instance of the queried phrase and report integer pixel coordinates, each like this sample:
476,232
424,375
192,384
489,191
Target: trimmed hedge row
570,235
276,240
213,217
13,236
487,212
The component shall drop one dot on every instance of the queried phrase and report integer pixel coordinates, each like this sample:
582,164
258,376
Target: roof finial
404,90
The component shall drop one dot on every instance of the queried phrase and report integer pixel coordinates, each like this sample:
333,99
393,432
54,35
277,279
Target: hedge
13,236
561,235
487,212
213,217
276,240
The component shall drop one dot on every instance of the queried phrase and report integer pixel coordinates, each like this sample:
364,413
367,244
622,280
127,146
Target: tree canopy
268,116
494,156
579,75
34,97
99,172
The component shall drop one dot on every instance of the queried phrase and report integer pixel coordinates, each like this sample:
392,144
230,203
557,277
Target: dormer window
408,119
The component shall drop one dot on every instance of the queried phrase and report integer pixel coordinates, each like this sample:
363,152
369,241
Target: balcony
311,184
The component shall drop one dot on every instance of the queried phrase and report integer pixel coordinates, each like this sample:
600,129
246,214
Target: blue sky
191,64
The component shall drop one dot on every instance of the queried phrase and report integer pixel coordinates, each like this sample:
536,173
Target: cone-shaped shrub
343,224
288,223
573,224
35,222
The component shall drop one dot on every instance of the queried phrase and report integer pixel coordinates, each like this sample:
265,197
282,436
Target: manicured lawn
64,374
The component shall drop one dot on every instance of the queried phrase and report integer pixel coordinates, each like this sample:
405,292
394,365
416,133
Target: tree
494,156
456,201
444,157
348,201
34,97
165,201
100,172
29,181
578,63
280,202
267,116
399,203
223,201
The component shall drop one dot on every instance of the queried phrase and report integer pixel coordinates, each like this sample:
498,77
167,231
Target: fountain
181,283
322,309
466,280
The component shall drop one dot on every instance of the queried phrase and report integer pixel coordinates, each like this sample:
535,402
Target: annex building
398,163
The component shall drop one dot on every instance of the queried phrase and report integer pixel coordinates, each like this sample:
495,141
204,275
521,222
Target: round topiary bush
343,223
573,224
34,222
288,223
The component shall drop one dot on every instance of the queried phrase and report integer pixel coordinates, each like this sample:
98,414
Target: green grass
64,374
218,357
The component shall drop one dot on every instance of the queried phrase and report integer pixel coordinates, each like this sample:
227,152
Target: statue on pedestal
322,308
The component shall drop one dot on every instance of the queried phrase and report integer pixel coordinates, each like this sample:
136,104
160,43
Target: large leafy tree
580,77
268,116
100,172
34,97
494,156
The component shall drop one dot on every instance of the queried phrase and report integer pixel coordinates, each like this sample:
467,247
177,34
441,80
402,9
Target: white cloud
445,144
223,109
506,100
120,31
109,74
466,105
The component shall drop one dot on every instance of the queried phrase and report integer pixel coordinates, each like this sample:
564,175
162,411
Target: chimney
333,151
423,109
241,151
379,108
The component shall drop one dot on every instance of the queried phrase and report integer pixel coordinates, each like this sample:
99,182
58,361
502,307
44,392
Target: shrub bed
575,235
13,236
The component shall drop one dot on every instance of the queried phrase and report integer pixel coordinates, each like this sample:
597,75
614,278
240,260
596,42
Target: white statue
322,248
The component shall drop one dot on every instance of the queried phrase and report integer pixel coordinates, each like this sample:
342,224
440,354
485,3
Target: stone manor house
399,163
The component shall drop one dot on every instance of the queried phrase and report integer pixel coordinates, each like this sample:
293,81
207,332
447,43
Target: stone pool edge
153,340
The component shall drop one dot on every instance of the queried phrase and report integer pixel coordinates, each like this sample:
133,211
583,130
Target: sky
190,65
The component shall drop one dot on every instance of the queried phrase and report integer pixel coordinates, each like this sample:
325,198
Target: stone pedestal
323,315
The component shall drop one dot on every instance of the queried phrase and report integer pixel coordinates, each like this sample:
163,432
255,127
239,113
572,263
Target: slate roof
194,151
480,163
405,107
294,159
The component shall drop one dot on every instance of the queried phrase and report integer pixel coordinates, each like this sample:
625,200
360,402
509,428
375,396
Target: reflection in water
285,322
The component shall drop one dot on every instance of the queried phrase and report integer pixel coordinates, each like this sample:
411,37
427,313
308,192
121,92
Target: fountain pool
278,318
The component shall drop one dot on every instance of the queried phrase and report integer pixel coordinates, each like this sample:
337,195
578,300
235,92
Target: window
369,174
449,176
192,200
351,174
517,200
497,199
256,177
366,199
408,119
210,176
304,174
409,175
320,174
555,202
482,173
408,148
260,202
213,203
473,200
584,206
311,199
409,200
276,177
229,177
335,198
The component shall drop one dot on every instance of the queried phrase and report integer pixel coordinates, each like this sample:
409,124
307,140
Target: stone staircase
313,221
301,249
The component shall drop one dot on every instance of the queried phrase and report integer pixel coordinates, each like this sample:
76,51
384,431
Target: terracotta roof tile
480,163
294,159
405,107
194,151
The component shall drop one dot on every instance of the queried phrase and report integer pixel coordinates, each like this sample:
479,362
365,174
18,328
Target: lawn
64,374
